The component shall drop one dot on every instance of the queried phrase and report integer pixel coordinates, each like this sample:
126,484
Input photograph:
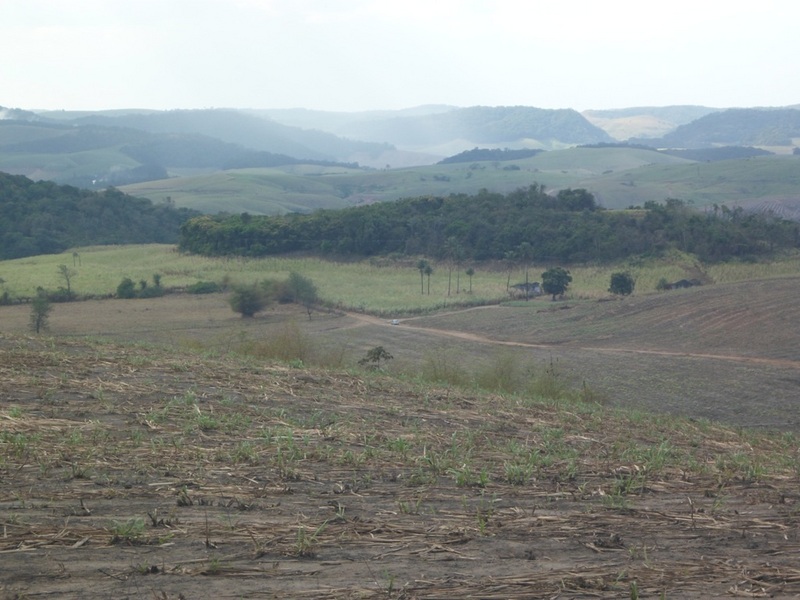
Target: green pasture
378,286
619,177
299,188
700,184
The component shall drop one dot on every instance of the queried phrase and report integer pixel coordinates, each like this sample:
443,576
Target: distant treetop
490,154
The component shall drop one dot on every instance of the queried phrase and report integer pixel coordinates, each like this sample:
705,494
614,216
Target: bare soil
138,470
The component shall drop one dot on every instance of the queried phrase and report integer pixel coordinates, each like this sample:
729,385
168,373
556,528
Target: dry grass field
149,450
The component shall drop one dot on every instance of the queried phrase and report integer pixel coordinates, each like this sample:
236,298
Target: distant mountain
16,114
97,156
122,147
735,127
645,121
342,123
442,131
237,127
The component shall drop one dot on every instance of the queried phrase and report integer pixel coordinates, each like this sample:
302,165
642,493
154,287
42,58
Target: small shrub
374,357
503,374
61,295
151,292
548,384
289,345
126,288
248,300
622,284
441,367
203,287
40,312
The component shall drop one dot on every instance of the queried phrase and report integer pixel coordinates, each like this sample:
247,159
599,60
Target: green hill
299,188
736,127
745,182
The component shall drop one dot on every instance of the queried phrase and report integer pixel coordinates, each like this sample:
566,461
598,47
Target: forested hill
735,127
526,224
43,217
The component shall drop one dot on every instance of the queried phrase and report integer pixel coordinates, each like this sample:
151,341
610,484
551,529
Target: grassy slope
620,177
722,182
649,341
272,191
394,286
56,166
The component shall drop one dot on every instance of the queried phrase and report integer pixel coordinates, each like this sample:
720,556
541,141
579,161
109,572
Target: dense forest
42,217
567,227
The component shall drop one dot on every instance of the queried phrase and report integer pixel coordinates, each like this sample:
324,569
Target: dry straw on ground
136,472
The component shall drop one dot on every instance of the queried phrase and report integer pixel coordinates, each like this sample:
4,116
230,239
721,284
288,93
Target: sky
353,55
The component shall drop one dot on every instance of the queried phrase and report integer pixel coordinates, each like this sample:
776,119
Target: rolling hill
252,160
618,176
761,127
644,122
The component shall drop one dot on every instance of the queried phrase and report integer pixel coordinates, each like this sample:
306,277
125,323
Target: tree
421,266
555,281
248,300
373,358
525,254
511,259
469,273
303,291
454,252
622,284
40,311
428,273
67,274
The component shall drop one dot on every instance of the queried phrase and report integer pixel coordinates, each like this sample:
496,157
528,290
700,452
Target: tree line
566,227
42,217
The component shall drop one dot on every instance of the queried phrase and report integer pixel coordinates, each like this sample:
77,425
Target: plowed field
149,471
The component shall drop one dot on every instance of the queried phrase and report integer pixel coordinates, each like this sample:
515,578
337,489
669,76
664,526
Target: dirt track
409,322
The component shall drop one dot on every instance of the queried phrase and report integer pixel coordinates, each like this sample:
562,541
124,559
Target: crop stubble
149,473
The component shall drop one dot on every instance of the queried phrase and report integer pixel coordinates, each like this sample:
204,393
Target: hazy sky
387,54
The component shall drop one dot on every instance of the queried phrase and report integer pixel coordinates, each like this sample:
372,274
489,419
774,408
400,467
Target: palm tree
511,259
525,252
422,265
469,273
428,271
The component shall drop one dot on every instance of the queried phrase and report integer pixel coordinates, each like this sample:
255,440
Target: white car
395,322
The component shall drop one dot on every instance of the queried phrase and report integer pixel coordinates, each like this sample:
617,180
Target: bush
40,311
372,360
126,288
151,291
440,365
503,374
61,295
204,287
248,300
622,284
289,345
